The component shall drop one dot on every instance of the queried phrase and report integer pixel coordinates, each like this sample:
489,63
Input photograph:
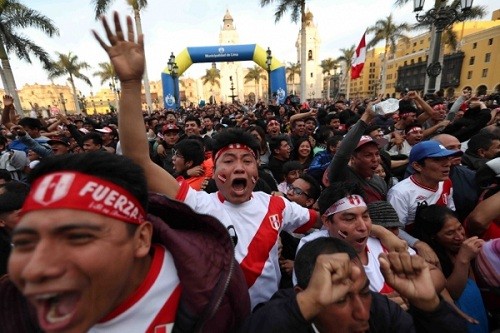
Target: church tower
314,77
230,70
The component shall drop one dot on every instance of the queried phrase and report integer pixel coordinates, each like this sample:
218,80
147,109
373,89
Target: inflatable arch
221,53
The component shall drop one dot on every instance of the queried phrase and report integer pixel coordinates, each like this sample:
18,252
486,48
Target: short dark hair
480,141
5,175
234,135
192,150
193,118
99,164
12,196
314,187
95,137
335,192
31,123
307,255
289,166
275,142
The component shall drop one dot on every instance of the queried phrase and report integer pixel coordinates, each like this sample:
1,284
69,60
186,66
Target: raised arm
485,213
337,169
127,57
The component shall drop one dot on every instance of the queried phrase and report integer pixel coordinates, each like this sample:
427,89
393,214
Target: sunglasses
298,191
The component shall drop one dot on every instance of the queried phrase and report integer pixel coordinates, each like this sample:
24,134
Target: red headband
233,146
75,190
414,129
273,122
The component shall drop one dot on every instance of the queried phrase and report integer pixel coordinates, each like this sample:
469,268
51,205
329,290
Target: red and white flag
358,60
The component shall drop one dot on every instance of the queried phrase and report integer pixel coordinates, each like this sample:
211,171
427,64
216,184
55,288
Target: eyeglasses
298,191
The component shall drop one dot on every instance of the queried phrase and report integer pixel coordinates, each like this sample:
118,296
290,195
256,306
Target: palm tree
106,73
14,15
388,31
346,57
102,6
327,66
68,64
298,10
292,70
212,76
256,74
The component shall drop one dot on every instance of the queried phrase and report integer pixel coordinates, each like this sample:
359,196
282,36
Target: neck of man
430,183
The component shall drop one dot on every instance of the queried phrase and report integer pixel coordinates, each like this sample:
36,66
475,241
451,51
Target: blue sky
171,26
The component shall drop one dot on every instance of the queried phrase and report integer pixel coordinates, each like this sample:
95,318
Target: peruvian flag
358,60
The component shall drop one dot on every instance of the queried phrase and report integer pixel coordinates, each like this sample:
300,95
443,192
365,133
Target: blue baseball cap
431,149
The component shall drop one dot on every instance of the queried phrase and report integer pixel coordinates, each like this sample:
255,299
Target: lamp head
466,4
418,5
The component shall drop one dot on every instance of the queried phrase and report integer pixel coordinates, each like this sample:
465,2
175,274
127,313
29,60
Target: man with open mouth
88,258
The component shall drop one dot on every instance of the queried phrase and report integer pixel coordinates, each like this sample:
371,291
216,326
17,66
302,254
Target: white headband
345,203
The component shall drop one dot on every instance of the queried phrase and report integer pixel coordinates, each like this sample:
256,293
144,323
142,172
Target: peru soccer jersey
153,306
407,194
257,224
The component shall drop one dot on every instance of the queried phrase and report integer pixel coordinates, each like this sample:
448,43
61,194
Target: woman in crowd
260,135
439,227
303,152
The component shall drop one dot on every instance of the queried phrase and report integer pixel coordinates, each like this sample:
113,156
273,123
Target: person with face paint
345,216
85,258
254,219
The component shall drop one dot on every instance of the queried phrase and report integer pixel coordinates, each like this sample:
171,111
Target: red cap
170,127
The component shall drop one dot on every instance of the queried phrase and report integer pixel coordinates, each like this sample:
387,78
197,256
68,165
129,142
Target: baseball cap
105,130
431,149
382,213
169,127
64,141
368,139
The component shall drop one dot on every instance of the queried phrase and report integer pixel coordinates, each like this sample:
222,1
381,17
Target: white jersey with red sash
257,224
407,194
153,306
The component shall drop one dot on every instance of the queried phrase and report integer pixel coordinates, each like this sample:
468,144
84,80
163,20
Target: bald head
449,142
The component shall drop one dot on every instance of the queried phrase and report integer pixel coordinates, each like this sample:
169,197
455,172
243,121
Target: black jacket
282,314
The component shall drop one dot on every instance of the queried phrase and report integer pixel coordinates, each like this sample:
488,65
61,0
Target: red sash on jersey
264,240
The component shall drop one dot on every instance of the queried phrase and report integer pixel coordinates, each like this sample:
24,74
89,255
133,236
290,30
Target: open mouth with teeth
239,185
55,310
361,240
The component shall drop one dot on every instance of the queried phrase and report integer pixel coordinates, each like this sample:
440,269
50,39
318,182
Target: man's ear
325,220
142,239
2,223
480,152
297,289
416,166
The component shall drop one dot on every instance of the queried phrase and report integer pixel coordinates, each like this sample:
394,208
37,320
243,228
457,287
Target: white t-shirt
257,224
407,194
153,306
372,268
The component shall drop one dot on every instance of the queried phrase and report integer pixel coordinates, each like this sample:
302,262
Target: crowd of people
319,216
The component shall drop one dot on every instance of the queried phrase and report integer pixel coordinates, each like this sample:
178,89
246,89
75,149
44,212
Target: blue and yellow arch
221,53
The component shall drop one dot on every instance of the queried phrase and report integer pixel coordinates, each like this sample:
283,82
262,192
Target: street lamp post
269,61
441,18
232,89
174,71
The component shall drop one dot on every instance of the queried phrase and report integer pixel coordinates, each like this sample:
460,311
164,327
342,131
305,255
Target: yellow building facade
478,45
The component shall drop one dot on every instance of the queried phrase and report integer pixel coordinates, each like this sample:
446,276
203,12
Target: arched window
310,55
